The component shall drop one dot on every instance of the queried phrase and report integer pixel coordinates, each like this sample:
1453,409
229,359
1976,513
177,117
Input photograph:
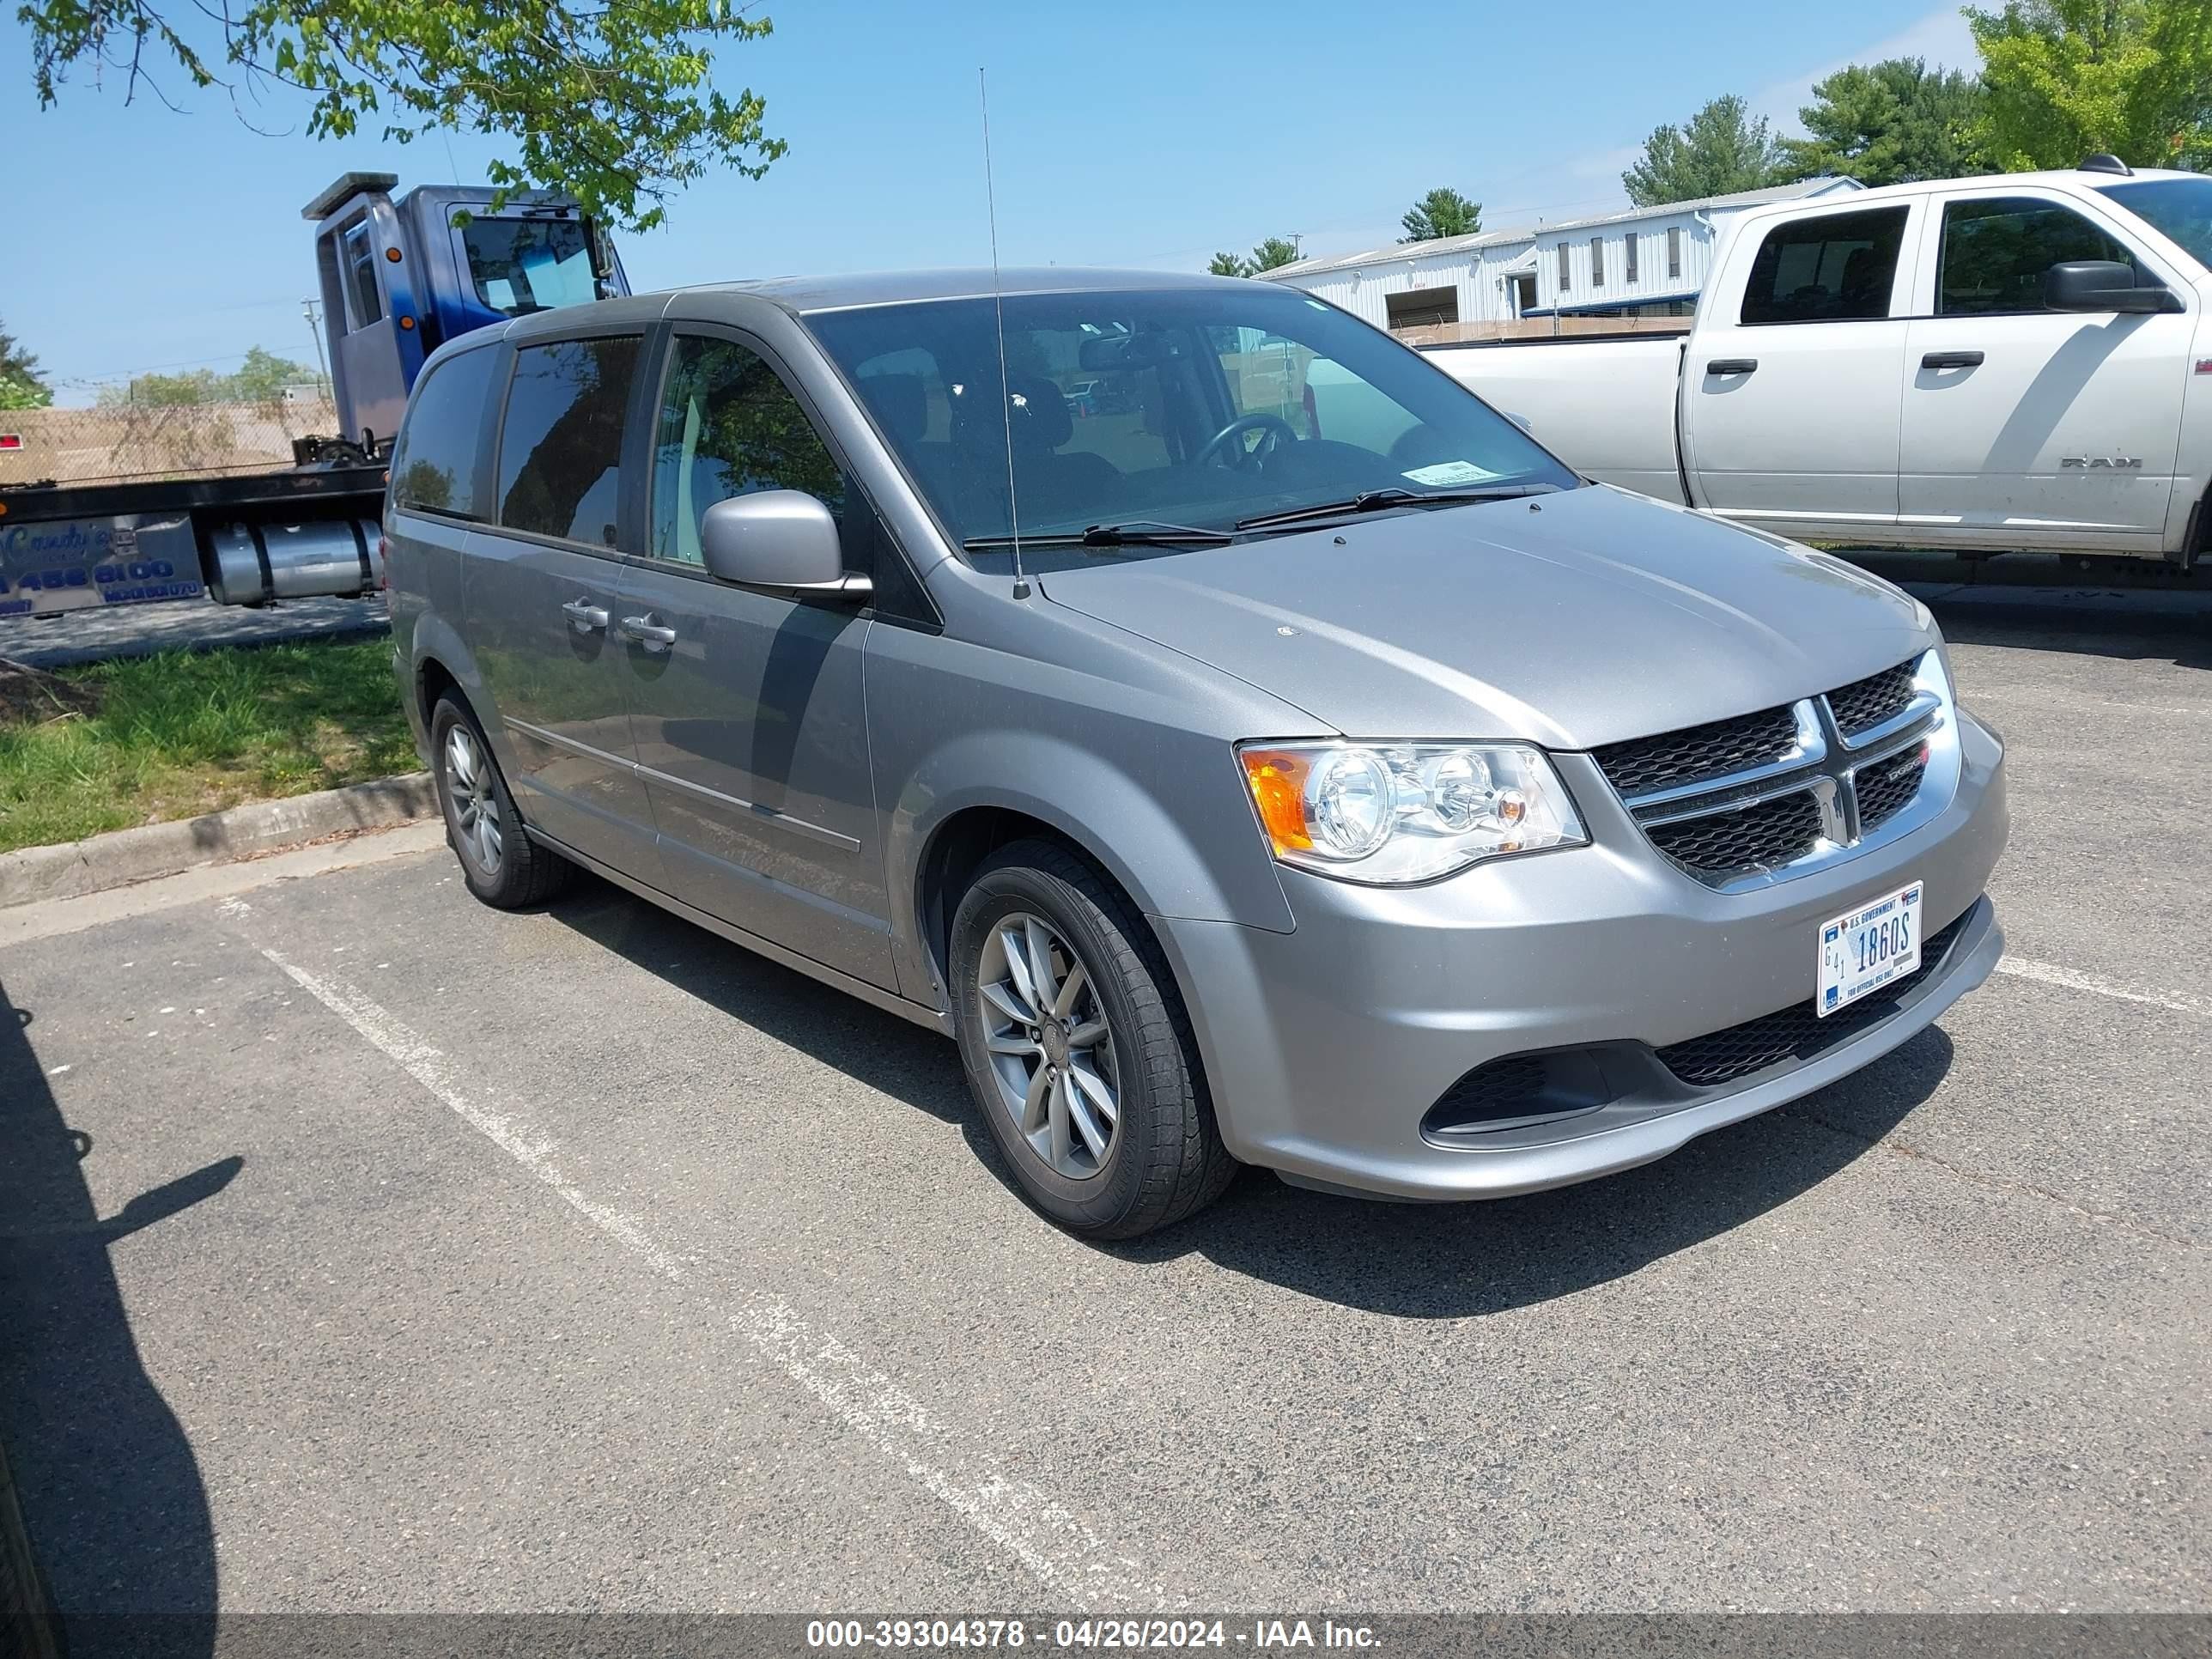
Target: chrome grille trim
1825,764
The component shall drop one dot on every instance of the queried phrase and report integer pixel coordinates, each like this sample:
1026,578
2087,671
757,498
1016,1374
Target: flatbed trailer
291,534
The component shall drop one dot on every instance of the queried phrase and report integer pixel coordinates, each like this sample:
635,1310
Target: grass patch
183,733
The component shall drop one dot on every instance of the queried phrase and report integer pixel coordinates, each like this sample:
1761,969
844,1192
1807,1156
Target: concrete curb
165,849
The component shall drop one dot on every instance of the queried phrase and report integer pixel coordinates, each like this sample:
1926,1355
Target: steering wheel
1278,429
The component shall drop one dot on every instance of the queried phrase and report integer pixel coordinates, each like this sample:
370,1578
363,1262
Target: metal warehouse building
1647,262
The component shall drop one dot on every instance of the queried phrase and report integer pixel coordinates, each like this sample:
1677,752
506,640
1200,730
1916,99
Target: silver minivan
1273,757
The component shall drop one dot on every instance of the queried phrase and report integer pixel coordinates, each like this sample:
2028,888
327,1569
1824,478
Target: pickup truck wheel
1076,1048
500,864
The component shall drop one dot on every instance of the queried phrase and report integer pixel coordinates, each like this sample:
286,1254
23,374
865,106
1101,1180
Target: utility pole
315,328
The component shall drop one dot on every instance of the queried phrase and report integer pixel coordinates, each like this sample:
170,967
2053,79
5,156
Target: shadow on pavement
1423,1261
111,1490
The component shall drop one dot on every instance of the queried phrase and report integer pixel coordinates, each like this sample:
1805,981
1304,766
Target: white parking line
2050,973
1042,1535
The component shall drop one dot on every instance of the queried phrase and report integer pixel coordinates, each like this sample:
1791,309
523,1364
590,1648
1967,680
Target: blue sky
1145,134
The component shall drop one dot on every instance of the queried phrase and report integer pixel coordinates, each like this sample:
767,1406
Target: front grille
1751,838
1796,1032
1687,788
1886,787
1865,704
1697,752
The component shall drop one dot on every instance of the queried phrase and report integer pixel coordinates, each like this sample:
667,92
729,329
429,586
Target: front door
748,708
2025,427
1790,394
543,598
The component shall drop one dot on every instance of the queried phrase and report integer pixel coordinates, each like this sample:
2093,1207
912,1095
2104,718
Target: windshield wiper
1374,501
1134,532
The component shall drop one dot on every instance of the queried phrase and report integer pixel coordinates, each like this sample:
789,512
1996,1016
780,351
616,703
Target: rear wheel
1076,1049
500,864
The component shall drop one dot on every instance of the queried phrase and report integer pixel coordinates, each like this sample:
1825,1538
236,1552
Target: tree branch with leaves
612,105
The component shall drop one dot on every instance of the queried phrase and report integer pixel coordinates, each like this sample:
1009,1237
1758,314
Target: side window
1831,268
1673,250
434,465
729,426
560,450
1629,249
1597,262
1563,267
1995,253
357,254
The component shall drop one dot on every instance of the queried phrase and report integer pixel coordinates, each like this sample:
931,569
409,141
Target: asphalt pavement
368,1249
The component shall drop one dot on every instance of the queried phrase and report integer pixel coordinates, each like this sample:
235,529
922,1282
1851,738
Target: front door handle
648,633
1952,360
586,616
1732,366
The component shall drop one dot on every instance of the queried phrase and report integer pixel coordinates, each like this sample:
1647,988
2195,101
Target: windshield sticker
1451,473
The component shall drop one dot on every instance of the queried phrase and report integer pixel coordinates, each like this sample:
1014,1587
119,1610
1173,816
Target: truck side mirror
782,539
602,251
2103,285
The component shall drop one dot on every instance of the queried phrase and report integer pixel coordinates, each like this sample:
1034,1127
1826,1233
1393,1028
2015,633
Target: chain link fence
124,441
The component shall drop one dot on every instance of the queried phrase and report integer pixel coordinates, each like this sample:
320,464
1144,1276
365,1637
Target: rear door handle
648,633
1732,366
1952,360
584,615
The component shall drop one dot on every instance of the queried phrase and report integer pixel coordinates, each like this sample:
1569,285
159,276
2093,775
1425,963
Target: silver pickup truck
1363,796
2022,361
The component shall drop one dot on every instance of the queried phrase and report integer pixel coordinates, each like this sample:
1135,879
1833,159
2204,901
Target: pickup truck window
1197,408
2179,207
434,469
1995,250
364,303
1831,268
522,265
560,447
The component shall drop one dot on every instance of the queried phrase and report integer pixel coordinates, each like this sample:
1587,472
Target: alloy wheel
475,802
1051,1048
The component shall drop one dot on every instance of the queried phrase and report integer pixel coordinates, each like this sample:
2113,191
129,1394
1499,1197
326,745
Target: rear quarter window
434,468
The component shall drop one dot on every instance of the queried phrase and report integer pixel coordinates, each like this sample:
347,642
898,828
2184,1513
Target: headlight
1389,813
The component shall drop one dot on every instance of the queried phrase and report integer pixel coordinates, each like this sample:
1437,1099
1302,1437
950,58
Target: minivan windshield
2181,208
1164,411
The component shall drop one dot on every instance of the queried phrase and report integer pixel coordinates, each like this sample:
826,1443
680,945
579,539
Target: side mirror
2103,285
782,539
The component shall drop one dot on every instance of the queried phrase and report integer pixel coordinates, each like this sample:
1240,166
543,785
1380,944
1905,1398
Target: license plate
1866,949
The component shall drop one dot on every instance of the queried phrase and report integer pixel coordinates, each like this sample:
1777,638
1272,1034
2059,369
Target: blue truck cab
399,278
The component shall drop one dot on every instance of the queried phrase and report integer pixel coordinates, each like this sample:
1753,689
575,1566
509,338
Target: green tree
1890,123
1228,265
1721,149
611,104
22,384
263,377
1441,213
1275,251
2066,78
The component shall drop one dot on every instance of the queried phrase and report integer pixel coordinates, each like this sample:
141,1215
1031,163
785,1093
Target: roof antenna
998,307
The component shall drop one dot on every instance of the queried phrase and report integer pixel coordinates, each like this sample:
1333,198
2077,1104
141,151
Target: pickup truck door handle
648,633
584,615
1952,360
1732,366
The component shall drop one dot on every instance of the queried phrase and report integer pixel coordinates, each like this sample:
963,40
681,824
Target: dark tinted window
364,305
560,451
1995,253
2182,208
728,426
1833,268
434,468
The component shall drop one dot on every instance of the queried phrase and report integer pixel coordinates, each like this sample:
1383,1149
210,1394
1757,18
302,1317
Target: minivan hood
1570,620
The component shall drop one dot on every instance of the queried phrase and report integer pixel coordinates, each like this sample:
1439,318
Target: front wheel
1076,1048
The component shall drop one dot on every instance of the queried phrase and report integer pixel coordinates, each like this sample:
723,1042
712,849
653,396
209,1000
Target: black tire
523,873
1165,1160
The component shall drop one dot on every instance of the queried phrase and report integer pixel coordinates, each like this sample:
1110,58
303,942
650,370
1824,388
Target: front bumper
1324,1047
